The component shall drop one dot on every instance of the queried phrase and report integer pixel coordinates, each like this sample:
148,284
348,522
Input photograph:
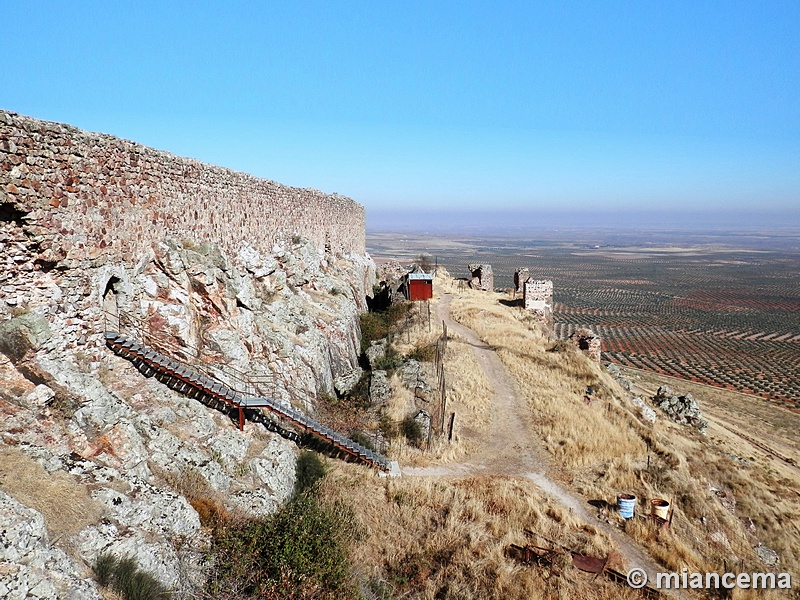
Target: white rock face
290,319
29,567
648,414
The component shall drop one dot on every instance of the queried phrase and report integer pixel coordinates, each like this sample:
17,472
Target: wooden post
428,303
443,391
450,428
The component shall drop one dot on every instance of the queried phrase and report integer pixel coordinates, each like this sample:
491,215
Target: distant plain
716,307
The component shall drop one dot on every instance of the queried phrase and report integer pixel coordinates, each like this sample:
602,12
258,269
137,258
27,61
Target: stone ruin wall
538,293
521,277
78,209
482,277
538,300
589,343
86,193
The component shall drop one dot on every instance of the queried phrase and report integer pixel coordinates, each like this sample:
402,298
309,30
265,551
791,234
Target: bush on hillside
310,469
379,324
125,577
297,553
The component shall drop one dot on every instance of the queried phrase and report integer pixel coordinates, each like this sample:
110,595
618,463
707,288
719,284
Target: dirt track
512,447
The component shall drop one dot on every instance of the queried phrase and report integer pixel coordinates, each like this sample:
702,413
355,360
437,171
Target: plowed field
721,310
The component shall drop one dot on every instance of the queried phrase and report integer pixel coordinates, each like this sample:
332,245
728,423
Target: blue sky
501,106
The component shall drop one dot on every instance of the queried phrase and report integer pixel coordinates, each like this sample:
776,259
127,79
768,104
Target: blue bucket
626,504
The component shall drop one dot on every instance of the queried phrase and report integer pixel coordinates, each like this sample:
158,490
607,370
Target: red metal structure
419,286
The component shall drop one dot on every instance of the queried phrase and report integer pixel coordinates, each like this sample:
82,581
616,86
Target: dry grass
440,538
468,392
65,504
553,383
605,449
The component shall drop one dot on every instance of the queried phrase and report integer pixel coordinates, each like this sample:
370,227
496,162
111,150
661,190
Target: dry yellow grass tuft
65,504
443,538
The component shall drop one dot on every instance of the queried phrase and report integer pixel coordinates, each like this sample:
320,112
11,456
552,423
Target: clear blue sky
515,106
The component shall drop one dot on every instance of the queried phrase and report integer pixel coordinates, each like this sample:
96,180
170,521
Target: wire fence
438,418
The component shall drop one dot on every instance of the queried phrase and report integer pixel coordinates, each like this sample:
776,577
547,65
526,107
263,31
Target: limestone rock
648,414
681,409
375,352
40,396
23,333
414,376
767,555
423,418
347,381
379,389
31,568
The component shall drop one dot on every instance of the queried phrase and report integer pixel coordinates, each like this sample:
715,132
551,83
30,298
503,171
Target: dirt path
515,450
512,447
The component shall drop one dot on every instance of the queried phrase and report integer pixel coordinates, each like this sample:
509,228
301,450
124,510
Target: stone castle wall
85,193
538,294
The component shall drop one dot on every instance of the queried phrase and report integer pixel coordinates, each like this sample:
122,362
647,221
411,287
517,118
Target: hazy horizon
485,222
513,106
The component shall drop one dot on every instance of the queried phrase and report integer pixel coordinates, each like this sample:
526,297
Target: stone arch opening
111,299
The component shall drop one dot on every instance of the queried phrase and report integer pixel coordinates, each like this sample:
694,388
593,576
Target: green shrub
104,568
359,437
299,552
125,577
388,427
359,396
423,353
379,324
390,360
412,431
310,469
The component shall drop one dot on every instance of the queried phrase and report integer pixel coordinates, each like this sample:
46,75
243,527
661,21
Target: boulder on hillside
683,410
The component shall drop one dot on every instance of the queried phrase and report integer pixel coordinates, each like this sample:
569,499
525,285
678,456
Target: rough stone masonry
538,299
88,192
75,206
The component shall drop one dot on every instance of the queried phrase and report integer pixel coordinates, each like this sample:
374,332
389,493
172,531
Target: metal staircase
221,396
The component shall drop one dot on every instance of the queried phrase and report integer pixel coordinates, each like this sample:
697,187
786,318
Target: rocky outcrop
380,390
29,566
289,319
647,413
261,283
414,376
681,409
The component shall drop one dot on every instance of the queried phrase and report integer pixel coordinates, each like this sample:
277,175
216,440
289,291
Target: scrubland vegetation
724,503
445,534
